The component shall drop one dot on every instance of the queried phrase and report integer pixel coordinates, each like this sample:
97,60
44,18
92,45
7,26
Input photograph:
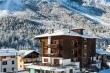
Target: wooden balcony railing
46,64
52,55
54,46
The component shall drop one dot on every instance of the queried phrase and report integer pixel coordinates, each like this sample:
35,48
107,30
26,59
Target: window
13,69
4,69
45,60
4,63
55,42
84,55
3,57
72,51
71,71
20,60
61,41
53,51
72,60
97,57
20,65
85,46
45,51
62,72
12,56
73,43
56,61
12,62
89,51
75,53
45,43
85,40
90,43
76,44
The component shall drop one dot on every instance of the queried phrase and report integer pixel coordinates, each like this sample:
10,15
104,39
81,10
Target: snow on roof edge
64,32
24,53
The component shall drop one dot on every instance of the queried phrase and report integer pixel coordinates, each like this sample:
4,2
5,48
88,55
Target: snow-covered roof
7,52
48,68
78,28
24,53
105,71
88,36
58,33
11,52
63,32
102,52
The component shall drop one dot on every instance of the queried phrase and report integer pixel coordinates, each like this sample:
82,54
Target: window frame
45,60
72,51
4,70
4,62
13,62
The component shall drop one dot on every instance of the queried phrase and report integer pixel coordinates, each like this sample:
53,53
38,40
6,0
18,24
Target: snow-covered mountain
102,2
11,5
21,20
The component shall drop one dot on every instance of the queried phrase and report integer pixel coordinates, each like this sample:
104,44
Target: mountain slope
11,5
21,20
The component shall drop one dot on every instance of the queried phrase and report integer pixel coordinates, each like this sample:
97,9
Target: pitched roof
64,32
7,52
11,52
24,53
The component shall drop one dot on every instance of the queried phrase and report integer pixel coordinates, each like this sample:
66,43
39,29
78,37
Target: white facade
49,43
9,66
66,61
62,61
66,65
65,69
8,61
51,60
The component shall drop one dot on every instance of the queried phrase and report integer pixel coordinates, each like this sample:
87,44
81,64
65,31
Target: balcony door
56,61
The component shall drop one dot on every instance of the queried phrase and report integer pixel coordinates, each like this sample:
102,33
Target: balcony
46,64
54,46
52,55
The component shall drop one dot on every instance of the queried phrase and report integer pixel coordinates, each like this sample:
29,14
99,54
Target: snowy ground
105,71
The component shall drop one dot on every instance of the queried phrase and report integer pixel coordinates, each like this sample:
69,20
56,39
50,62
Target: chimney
69,29
50,31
